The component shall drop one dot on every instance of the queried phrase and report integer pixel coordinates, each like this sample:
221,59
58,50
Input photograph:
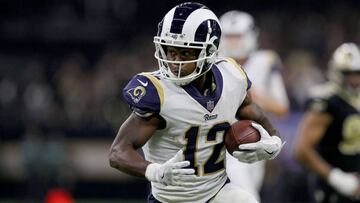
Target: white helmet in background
239,34
346,59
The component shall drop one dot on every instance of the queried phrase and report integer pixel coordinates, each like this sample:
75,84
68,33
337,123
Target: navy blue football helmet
188,25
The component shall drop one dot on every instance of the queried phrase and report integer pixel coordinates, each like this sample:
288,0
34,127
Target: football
241,132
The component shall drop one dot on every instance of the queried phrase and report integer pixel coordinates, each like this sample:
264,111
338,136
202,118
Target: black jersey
340,145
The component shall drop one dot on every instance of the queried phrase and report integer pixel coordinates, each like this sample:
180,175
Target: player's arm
249,110
311,131
268,147
143,98
132,135
144,95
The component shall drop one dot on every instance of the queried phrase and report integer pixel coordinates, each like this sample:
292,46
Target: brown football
240,132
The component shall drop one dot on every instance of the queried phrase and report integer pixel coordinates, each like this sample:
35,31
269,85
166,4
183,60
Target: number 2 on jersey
213,164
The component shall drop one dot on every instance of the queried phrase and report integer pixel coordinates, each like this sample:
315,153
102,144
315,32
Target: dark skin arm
251,111
311,131
132,135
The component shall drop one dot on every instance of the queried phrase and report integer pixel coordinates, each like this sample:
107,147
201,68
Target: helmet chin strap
186,81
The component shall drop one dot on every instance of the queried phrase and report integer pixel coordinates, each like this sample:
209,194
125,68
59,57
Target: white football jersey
194,123
263,67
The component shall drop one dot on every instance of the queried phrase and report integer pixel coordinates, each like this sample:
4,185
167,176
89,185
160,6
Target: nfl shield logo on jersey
210,105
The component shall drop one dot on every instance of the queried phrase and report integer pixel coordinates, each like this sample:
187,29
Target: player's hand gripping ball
241,132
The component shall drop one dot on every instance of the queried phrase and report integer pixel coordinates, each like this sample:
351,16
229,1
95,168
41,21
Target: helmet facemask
206,57
351,82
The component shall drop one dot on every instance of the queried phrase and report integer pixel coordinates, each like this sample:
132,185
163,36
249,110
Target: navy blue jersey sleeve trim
143,95
248,82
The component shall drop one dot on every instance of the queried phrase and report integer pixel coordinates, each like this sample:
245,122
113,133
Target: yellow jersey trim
239,68
157,85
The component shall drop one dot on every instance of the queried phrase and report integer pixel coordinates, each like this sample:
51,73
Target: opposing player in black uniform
328,141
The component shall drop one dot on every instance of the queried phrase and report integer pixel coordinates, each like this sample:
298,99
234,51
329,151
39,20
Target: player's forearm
253,112
311,131
128,160
310,159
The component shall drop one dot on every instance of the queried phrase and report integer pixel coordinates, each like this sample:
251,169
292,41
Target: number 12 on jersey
213,163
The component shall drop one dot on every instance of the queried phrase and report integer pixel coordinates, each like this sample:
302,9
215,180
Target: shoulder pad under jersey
234,64
319,97
144,92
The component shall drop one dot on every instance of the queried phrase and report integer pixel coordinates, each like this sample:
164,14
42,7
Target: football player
328,142
182,111
239,41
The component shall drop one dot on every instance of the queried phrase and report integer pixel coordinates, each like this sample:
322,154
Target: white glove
345,183
268,147
172,172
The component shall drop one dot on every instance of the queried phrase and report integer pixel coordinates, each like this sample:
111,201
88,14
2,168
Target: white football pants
248,177
231,193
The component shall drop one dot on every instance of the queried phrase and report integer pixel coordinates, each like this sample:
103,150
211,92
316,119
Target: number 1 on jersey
213,164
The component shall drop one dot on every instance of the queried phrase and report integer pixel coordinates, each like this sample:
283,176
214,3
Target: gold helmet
345,60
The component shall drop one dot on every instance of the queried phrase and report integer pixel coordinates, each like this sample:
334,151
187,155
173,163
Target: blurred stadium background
63,64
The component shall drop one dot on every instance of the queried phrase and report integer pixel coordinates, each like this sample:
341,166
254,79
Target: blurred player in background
239,41
328,142
182,111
